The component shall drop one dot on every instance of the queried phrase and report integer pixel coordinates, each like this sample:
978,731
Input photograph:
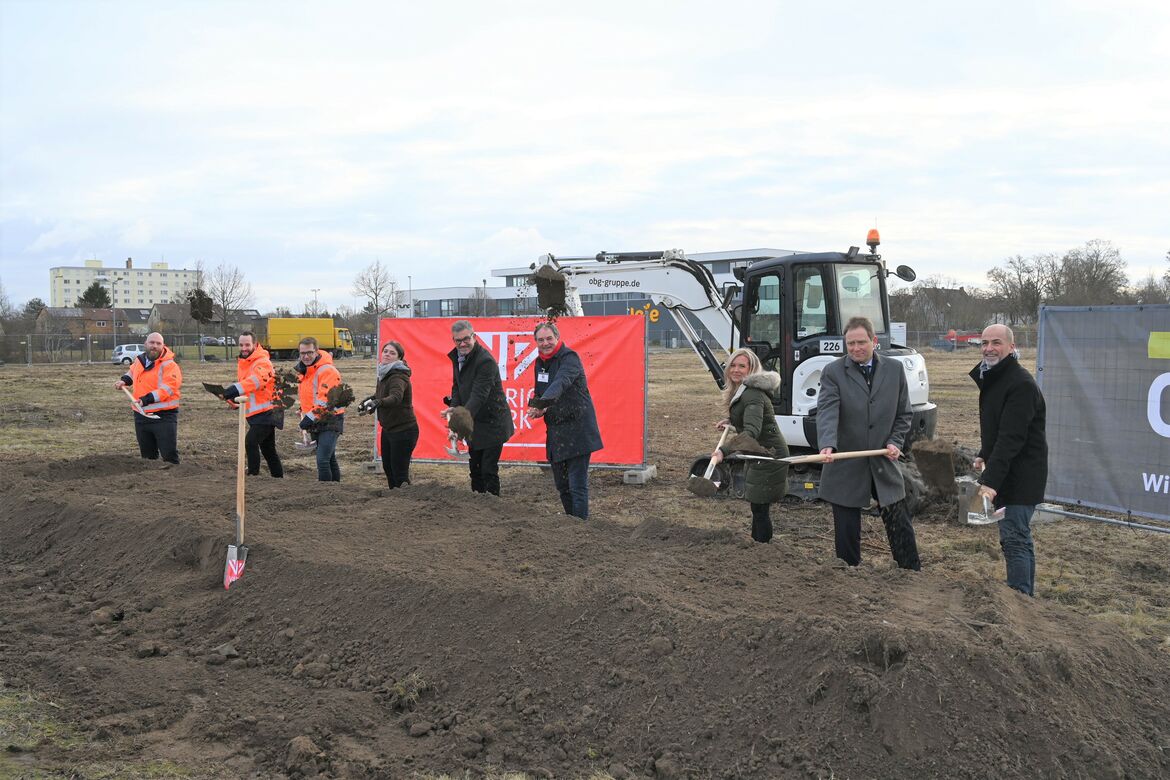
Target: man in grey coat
864,404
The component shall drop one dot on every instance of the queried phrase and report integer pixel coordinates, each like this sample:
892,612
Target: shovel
819,458
237,554
137,406
453,450
702,486
986,517
216,390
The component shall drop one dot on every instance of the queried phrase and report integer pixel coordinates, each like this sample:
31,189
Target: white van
125,353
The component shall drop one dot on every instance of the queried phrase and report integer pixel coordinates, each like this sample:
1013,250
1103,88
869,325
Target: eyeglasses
465,340
307,354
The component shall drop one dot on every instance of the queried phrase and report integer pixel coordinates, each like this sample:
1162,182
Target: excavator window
811,316
859,294
763,298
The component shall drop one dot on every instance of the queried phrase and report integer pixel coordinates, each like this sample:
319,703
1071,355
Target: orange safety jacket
314,387
257,382
162,380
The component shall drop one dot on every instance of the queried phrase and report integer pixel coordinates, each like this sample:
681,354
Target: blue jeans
1015,539
327,468
571,476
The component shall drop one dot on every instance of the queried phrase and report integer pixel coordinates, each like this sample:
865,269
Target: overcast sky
302,141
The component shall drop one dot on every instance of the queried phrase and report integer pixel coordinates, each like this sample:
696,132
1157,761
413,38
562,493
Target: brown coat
395,400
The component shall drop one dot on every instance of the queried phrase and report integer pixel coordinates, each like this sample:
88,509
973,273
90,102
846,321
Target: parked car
125,353
213,341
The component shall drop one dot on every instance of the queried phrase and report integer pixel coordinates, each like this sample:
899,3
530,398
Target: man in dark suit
864,404
476,386
1013,452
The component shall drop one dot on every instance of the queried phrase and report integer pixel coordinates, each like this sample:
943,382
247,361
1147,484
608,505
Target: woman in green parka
748,397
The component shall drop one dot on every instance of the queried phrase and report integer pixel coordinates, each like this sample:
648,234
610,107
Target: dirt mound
381,633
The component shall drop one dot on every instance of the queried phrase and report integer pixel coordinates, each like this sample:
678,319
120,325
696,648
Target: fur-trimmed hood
768,381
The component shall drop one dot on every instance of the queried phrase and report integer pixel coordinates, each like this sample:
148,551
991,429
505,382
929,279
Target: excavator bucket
550,289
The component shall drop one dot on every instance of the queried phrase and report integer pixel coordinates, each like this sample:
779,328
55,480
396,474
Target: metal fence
70,348
932,339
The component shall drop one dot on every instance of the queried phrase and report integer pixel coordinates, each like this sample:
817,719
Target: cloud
452,139
136,235
61,234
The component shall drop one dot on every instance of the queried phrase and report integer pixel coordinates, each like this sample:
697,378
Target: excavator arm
683,287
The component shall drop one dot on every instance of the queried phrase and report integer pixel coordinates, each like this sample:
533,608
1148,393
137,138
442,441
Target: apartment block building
129,286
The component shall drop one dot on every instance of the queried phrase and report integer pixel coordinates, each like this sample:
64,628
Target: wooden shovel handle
137,406
819,458
240,477
711,465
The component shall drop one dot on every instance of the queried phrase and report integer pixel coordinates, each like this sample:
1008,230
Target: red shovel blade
237,556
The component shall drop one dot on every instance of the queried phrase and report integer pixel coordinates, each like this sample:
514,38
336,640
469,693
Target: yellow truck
285,333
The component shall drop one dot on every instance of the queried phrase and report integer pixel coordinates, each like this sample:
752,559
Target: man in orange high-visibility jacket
325,423
255,389
154,379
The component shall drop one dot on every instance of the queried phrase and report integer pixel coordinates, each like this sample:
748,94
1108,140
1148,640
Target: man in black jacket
1013,452
562,399
476,386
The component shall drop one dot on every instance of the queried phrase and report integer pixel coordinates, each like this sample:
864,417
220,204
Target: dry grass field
64,411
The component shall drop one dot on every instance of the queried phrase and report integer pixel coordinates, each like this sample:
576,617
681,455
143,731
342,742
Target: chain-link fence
950,342
71,348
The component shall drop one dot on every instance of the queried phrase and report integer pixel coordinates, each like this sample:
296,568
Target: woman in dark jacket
394,401
748,396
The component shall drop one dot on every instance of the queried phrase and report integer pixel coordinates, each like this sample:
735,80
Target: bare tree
939,304
6,310
1019,287
228,290
377,285
1094,273
481,304
1151,290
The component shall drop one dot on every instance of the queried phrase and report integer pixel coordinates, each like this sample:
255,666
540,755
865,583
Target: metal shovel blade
237,556
986,517
703,488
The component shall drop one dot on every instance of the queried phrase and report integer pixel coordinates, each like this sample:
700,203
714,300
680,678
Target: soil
429,630
461,423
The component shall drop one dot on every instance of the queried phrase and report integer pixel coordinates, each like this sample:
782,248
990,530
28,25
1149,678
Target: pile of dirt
381,633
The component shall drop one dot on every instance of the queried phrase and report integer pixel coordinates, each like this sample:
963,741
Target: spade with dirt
340,396
461,422
702,486
136,405
216,390
745,444
285,391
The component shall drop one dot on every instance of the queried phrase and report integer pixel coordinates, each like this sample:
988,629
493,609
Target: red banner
612,349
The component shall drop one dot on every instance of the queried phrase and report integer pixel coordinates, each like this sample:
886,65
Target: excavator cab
794,315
